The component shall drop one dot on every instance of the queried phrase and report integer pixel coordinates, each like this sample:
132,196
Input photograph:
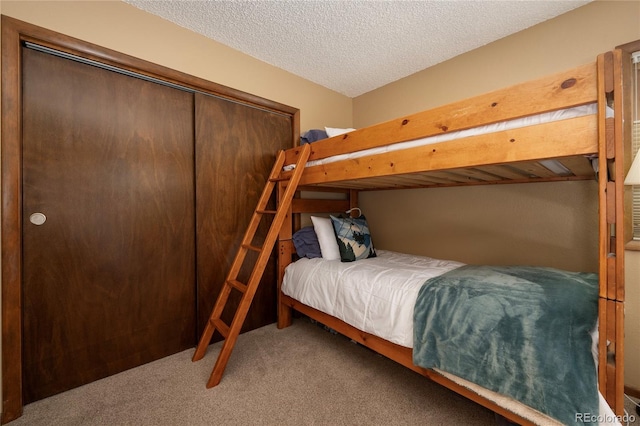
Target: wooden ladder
248,290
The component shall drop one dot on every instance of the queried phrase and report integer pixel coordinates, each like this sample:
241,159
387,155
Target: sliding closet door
108,214
236,145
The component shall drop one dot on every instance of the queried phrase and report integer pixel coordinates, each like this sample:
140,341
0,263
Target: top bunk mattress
533,120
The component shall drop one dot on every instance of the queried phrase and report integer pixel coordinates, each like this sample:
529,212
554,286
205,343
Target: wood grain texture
14,32
236,146
576,136
533,97
109,280
11,228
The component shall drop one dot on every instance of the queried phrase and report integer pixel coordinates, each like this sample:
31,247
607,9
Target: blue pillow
313,135
354,238
306,243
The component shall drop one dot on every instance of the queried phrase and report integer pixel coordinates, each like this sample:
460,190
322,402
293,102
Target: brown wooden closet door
236,146
109,278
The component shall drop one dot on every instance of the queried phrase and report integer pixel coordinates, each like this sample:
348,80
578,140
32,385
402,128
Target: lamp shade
633,177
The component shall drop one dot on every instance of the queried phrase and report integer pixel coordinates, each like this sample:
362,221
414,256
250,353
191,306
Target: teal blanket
519,331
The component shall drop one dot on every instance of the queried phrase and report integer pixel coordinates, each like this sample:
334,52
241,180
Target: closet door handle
37,218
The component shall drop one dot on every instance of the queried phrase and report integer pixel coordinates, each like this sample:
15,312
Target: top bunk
542,130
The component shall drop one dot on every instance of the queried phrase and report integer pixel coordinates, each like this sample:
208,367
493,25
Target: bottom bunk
538,364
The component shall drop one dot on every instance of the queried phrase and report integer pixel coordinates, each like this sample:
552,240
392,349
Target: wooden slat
428,178
562,90
222,328
476,174
347,185
449,176
610,138
573,137
579,166
241,287
397,182
532,169
611,203
416,180
252,248
327,189
504,171
611,276
299,205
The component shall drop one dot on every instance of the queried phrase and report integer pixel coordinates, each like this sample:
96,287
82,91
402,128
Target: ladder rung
267,211
220,326
278,179
237,285
250,247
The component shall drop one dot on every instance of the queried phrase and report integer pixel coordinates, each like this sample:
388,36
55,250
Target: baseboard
631,391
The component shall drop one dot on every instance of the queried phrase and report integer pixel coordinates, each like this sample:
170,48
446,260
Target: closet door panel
109,277
236,145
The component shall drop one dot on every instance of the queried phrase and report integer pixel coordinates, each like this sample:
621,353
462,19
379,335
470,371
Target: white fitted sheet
375,295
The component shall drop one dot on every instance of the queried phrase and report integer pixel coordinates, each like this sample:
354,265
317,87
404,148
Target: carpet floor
301,375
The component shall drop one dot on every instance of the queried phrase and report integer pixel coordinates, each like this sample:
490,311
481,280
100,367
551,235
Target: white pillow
326,237
331,132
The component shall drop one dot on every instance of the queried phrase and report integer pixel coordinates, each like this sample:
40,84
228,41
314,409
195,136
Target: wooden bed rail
563,90
510,146
514,155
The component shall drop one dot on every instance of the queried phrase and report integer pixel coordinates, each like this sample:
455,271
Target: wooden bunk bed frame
511,156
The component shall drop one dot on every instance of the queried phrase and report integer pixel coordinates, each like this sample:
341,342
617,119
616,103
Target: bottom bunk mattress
527,333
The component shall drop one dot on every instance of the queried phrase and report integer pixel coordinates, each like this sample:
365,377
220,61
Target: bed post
353,199
285,253
611,235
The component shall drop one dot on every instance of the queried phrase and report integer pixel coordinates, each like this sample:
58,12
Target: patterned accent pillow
353,237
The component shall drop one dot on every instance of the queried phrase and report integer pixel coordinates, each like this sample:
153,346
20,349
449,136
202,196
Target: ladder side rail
265,254
255,218
237,263
231,333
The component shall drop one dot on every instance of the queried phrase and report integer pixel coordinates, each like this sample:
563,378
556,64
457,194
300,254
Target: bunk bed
567,126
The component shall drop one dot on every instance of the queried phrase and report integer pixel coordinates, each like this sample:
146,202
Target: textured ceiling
355,46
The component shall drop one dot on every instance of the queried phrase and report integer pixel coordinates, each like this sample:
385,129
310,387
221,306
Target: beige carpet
301,375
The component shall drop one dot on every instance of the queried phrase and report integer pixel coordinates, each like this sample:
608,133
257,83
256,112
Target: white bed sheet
374,295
